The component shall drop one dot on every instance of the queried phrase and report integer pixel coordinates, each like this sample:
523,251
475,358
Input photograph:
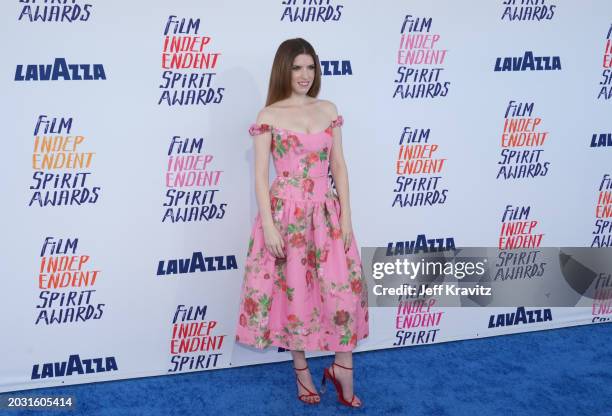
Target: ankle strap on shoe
341,366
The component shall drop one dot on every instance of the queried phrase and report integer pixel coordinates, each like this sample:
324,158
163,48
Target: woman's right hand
274,241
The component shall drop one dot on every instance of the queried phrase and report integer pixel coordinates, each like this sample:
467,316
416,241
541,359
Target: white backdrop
120,325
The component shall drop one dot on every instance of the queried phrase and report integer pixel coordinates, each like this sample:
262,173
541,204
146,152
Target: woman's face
302,74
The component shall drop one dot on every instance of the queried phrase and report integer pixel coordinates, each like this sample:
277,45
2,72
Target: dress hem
287,347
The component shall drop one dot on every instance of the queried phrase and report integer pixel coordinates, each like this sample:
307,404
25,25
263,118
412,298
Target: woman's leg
344,376
299,361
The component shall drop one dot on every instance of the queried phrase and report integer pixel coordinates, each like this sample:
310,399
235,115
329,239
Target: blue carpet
557,372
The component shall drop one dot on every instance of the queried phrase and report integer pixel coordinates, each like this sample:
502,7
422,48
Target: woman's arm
340,175
274,242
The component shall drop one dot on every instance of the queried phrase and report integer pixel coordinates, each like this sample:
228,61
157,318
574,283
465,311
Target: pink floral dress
314,299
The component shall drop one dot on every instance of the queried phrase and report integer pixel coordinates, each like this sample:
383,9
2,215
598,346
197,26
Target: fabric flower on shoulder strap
339,121
256,129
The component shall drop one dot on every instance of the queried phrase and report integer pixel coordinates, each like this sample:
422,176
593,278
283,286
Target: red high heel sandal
332,377
302,397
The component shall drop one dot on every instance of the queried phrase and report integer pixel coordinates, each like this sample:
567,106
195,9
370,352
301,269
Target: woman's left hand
347,232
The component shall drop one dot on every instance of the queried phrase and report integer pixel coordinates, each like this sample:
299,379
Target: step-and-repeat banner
127,172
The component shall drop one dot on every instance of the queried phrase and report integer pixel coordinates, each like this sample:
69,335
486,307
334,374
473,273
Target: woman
303,287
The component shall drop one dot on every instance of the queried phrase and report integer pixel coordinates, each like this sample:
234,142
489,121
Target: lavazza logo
520,316
527,62
60,70
336,68
198,262
75,365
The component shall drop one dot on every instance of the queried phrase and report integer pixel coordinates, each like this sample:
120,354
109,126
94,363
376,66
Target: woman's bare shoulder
329,108
266,115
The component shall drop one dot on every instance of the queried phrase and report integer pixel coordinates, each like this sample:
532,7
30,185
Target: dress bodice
301,160
298,154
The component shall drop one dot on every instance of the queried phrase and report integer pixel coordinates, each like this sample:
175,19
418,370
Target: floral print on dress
315,298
